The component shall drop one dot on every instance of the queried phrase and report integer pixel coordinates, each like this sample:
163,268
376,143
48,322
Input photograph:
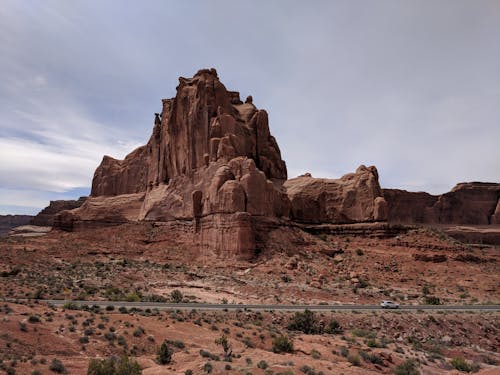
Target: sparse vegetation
114,366
164,355
57,366
461,364
305,322
282,344
176,296
410,367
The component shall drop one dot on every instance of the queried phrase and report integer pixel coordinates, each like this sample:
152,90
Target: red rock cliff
203,123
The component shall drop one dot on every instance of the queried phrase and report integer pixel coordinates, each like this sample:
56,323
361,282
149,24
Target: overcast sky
412,87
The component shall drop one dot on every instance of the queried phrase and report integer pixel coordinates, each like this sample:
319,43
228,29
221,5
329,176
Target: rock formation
212,174
7,222
46,216
211,159
356,197
467,203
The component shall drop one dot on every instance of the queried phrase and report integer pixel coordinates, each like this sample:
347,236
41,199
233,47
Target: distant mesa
212,172
7,222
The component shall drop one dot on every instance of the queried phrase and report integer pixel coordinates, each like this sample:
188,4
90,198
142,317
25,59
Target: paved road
211,306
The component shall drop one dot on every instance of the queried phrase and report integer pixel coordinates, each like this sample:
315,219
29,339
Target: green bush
305,322
432,300
461,364
354,359
57,366
164,355
262,365
333,327
176,296
282,344
34,319
208,367
410,367
114,366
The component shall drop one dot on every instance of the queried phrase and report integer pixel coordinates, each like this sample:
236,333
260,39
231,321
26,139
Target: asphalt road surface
212,306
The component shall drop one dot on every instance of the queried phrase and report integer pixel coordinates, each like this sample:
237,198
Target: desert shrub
208,367
344,352
123,310
207,354
164,355
84,340
432,300
176,343
282,344
132,297
110,308
461,365
71,306
188,372
57,366
315,354
226,346
114,366
371,358
364,333
262,365
305,322
176,296
333,327
34,319
354,359
359,252
410,367
36,372
138,332
110,336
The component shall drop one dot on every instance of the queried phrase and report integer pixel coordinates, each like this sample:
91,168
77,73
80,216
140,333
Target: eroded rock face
467,203
204,123
211,159
46,216
355,197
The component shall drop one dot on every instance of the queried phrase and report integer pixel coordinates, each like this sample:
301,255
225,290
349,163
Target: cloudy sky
412,87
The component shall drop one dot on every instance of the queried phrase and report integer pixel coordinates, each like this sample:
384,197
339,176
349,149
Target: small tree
226,346
176,296
305,322
164,353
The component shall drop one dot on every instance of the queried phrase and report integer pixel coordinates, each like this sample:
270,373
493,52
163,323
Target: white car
389,305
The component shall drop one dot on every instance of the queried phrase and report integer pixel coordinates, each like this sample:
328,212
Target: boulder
355,197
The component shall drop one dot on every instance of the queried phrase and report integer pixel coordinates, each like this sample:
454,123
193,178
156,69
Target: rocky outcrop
356,197
7,222
46,216
467,203
204,123
211,159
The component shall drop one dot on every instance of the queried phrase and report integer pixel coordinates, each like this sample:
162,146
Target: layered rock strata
46,216
355,197
211,159
474,203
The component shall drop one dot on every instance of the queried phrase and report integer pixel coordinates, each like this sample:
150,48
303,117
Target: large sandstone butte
212,172
476,203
